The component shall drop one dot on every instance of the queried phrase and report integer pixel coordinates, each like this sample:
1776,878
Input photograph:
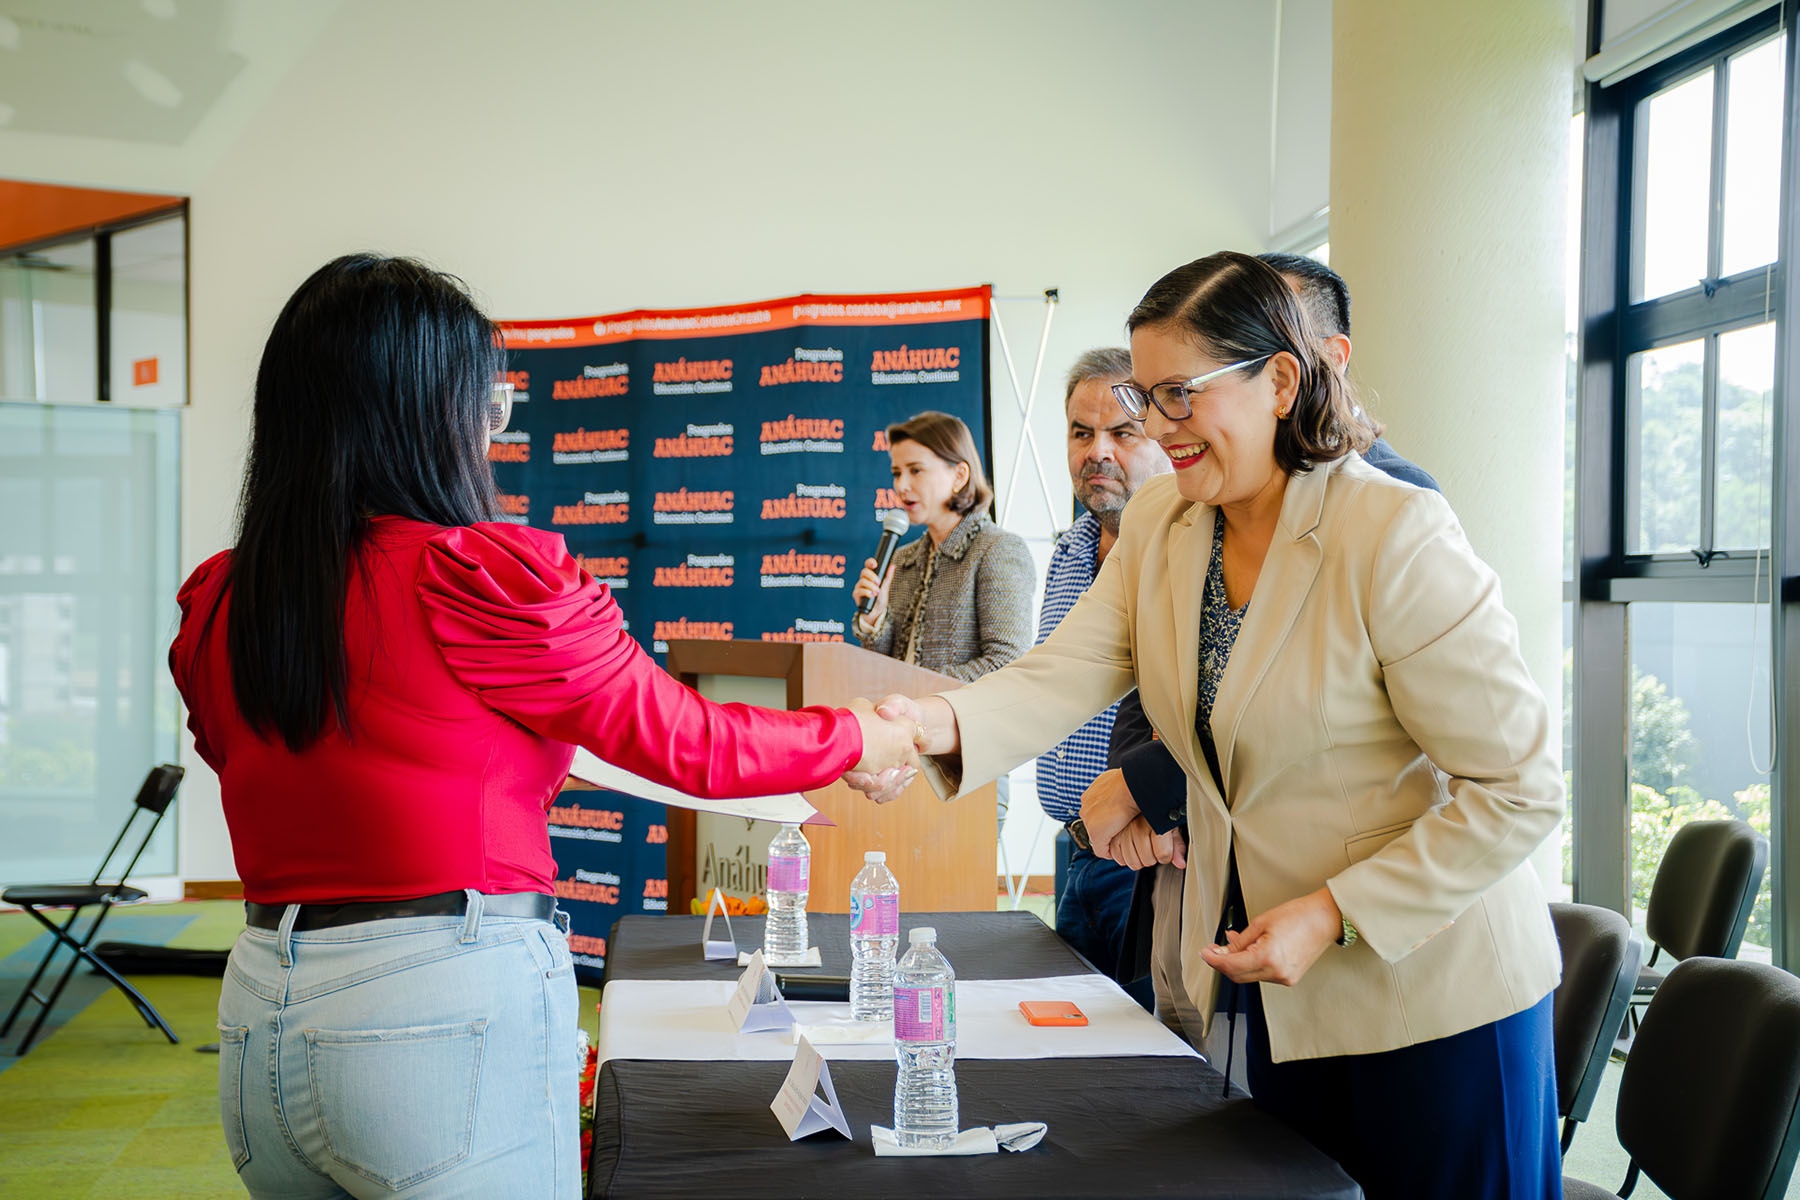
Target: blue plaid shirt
1065,772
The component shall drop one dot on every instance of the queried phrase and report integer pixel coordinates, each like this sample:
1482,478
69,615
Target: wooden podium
943,854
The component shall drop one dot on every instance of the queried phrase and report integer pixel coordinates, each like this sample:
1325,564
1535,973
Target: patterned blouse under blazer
971,601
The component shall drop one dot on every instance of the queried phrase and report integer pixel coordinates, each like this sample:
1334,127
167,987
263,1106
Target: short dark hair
949,439
1322,290
372,398
1109,364
1235,306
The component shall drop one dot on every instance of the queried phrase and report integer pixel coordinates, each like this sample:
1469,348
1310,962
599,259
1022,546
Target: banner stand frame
1025,400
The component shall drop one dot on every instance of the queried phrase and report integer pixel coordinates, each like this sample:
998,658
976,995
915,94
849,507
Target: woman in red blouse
390,687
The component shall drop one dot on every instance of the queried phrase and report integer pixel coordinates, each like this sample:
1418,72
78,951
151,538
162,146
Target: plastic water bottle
874,936
925,1042
790,871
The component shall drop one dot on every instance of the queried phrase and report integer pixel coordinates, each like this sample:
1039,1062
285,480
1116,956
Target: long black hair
372,398
1235,306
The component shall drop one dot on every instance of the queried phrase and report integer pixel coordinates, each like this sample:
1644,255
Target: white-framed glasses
500,407
1171,399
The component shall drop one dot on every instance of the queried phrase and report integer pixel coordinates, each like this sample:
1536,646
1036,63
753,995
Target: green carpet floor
105,1107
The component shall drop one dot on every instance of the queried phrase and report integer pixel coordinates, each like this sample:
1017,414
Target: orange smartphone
1052,1012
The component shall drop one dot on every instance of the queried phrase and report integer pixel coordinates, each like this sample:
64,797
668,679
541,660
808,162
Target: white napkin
844,1033
809,959
982,1140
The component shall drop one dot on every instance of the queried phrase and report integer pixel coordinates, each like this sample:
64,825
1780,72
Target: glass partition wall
93,368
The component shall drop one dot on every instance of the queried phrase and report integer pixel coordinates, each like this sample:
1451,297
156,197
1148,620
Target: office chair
1600,968
104,890
1701,900
1709,1103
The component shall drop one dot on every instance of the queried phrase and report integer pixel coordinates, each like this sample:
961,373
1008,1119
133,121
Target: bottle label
789,873
874,914
925,1014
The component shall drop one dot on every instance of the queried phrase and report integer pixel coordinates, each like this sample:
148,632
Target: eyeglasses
1171,399
500,407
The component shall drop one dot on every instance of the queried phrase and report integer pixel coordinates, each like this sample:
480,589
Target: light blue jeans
416,1057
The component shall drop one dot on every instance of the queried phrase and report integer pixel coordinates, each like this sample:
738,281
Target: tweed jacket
1377,731
977,613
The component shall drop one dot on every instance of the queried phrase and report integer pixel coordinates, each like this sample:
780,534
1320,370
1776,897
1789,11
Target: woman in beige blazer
1381,763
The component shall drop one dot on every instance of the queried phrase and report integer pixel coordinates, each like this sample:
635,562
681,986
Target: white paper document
799,1107
790,808
809,959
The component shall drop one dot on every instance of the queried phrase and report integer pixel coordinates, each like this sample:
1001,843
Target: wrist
939,721
1343,931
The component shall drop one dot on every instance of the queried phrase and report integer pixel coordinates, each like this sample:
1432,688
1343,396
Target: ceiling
135,70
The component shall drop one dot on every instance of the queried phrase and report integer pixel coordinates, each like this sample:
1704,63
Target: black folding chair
1600,967
104,890
1701,900
1709,1102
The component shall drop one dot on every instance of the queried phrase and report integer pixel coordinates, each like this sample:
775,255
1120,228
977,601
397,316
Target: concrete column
1449,180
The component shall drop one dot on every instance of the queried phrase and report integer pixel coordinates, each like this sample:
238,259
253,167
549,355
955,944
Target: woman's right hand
872,586
890,758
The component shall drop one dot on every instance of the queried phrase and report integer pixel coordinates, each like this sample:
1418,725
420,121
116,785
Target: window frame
1613,327
101,237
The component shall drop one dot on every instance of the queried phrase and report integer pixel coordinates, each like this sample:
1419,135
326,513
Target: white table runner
685,1019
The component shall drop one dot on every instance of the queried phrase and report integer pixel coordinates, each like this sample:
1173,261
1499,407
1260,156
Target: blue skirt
1464,1117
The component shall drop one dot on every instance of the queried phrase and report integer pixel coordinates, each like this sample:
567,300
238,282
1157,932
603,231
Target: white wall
571,158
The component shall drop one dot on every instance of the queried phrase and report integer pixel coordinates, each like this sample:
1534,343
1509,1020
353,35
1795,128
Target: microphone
893,527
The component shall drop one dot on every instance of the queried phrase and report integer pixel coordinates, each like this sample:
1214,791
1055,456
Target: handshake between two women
896,731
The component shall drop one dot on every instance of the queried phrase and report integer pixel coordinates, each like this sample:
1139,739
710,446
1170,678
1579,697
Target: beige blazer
1377,732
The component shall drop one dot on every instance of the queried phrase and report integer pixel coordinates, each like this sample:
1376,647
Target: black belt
444,904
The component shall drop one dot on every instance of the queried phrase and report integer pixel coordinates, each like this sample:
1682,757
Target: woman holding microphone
958,600
1368,763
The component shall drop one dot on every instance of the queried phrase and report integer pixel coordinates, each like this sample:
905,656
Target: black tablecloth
1118,1127
996,945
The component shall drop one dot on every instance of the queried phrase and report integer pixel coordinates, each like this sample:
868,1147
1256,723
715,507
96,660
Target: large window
1675,486
1700,734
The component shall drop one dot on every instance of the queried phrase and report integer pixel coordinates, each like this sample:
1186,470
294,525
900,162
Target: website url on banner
890,309
726,320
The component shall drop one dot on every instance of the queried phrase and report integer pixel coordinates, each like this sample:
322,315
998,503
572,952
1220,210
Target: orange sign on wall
143,371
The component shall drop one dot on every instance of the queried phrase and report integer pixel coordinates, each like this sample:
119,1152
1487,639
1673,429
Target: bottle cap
922,935
875,856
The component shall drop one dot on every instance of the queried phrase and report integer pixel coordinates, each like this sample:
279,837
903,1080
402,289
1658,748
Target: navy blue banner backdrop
724,471
609,861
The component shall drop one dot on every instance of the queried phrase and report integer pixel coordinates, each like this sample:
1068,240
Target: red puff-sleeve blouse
478,657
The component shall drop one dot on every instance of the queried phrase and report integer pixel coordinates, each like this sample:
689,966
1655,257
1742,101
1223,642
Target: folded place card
757,1005
984,1140
809,959
718,951
799,1106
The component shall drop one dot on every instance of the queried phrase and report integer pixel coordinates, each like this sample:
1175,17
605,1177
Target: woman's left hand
1281,945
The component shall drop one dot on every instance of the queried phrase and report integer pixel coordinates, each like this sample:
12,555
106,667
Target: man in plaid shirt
1109,458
